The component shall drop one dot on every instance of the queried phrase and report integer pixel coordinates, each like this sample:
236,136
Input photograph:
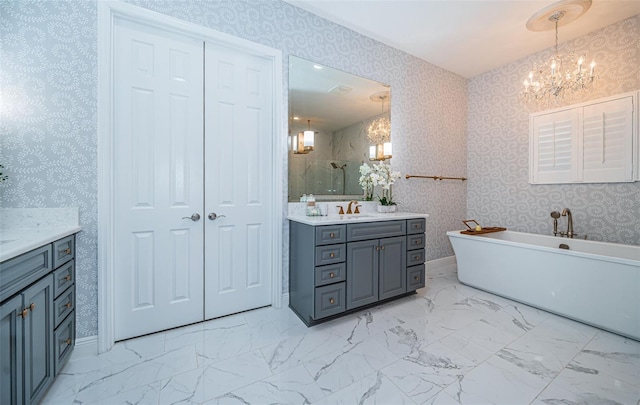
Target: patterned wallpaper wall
498,149
48,52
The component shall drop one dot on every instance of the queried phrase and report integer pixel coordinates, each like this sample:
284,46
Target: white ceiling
465,37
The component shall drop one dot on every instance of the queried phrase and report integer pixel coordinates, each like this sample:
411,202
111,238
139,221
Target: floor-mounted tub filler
597,283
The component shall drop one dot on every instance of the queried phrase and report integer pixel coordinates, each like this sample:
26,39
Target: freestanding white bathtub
593,282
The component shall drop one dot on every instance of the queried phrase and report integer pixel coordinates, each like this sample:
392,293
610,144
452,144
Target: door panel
238,167
11,351
158,179
393,269
362,273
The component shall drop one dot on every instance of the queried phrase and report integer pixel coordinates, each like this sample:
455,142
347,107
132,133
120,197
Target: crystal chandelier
563,76
379,133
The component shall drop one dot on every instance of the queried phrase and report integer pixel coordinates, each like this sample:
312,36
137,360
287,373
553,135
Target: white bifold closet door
191,196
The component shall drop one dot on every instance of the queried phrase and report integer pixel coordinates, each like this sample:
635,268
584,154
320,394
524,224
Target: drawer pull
332,254
24,313
68,305
67,342
331,300
417,278
417,241
32,306
332,235
382,247
416,226
67,277
332,275
67,251
416,257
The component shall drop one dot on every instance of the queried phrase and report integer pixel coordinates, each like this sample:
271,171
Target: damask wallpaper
48,127
498,149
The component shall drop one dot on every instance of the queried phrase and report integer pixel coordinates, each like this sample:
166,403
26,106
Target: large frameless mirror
337,121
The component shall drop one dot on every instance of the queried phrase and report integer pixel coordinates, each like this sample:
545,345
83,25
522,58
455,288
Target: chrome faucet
569,233
349,207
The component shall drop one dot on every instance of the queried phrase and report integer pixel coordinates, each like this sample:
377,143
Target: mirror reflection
337,121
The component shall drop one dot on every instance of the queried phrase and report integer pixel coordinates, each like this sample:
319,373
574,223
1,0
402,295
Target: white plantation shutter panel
554,148
607,145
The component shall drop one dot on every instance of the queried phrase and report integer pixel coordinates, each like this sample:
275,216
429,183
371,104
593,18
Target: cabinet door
362,273
554,148
607,146
11,352
393,267
38,339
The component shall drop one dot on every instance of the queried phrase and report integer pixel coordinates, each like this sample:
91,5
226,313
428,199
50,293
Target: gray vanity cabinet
337,268
31,318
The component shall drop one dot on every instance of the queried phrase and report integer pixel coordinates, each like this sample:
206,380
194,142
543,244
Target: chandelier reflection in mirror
562,77
379,132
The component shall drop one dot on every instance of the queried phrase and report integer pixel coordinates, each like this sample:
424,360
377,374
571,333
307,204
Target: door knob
213,216
195,217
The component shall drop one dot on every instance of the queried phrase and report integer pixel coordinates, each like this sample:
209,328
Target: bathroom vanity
37,310
341,263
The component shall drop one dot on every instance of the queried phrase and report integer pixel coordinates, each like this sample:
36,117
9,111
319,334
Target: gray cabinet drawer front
63,278
330,274
64,340
21,271
64,305
331,234
415,241
415,257
63,250
329,300
416,225
330,254
415,277
375,230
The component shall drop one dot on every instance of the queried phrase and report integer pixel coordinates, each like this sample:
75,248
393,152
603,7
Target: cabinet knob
417,278
417,242
67,277
332,235
332,254
68,342
331,300
416,257
68,305
24,313
331,275
382,247
67,251
32,306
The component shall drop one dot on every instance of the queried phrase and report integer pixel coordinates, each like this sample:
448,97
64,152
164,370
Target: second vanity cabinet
340,267
37,320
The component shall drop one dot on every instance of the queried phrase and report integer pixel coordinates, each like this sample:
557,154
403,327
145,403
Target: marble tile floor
448,344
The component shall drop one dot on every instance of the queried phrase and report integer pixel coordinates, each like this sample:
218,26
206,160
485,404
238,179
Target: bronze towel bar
408,176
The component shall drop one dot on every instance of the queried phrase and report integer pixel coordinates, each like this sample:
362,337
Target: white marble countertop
25,229
333,219
14,242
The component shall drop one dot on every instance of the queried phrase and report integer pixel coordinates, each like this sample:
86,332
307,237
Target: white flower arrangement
378,175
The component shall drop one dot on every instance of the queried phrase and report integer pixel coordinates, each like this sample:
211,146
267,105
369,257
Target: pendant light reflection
303,142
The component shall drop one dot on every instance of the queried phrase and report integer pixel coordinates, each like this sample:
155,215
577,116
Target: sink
355,216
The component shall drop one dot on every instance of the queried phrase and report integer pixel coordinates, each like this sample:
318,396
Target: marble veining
448,344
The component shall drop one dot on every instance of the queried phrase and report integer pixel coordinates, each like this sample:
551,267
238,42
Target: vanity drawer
63,278
330,254
375,230
415,241
416,225
64,305
329,300
19,272
63,250
415,277
415,257
330,274
331,234
63,341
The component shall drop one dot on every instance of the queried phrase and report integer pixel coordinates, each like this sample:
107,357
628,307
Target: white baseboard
440,267
85,347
